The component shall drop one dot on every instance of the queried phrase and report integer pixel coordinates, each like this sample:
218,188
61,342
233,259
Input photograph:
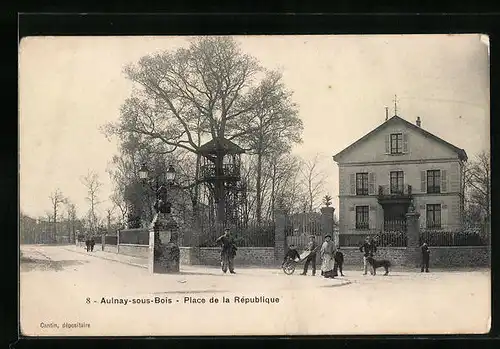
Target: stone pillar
413,234
164,252
279,235
118,241
327,222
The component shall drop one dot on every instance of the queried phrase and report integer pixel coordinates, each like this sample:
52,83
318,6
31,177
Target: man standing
368,249
228,251
339,260
425,257
311,247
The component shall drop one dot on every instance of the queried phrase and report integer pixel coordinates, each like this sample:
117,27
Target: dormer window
396,143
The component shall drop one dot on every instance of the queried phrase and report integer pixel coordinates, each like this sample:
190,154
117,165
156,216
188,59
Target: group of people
332,259
89,244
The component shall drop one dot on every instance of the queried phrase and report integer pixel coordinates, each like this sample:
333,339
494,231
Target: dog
379,263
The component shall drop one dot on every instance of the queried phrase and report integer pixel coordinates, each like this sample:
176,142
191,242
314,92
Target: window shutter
371,183
444,216
405,143
352,183
423,216
352,218
423,184
444,181
372,217
454,178
388,144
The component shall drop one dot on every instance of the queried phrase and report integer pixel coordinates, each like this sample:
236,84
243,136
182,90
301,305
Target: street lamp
170,174
143,172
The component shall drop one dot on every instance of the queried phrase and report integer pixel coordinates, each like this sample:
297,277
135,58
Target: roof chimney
418,121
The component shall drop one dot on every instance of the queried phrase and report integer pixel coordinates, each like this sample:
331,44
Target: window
433,216
433,181
362,217
361,183
396,143
397,182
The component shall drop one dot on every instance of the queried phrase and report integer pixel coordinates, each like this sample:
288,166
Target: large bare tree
478,186
204,92
71,212
313,180
277,126
93,185
57,199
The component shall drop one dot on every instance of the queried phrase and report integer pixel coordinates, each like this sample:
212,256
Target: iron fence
393,226
304,224
110,239
381,239
455,236
138,236
251,235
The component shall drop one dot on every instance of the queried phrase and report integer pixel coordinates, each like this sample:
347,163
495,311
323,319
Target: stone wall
441,257
258,256
466,256
111,248
397,256
134,250
189,256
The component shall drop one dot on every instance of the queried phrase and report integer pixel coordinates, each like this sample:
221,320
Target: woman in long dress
328,262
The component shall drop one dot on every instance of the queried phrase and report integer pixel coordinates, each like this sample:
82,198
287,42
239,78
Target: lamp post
164,253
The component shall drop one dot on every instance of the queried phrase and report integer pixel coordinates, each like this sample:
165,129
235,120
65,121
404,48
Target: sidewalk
143,263
116,257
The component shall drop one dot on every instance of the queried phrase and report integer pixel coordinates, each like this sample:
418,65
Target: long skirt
327,266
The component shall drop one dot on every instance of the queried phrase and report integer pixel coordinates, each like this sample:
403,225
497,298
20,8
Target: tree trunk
220,193
197,175
258,188
273,194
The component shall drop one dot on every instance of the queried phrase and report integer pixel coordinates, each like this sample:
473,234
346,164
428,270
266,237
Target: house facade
396,165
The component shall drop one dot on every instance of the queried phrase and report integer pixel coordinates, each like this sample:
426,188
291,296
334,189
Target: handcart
290,264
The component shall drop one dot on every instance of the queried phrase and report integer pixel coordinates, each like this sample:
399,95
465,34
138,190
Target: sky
69,87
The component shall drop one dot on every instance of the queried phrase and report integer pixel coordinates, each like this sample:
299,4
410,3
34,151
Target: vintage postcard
254,185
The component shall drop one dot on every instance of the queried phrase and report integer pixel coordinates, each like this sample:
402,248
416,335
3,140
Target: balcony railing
228,170
387,191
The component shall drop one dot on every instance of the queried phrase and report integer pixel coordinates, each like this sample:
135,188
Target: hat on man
328,236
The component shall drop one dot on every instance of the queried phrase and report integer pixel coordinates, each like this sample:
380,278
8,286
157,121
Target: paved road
56,284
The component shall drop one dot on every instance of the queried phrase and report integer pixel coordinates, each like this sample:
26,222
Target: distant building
394,165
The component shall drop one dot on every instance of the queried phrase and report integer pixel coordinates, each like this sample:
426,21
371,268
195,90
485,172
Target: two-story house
395,165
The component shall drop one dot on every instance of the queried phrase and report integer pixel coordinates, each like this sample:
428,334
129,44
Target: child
339,260
291,254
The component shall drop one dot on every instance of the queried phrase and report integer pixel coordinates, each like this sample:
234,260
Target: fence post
413,231
118,241
279,235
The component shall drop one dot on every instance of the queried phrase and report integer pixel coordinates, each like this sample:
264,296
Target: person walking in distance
311,247
87,243
228,251
368,249
92,244
425,257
